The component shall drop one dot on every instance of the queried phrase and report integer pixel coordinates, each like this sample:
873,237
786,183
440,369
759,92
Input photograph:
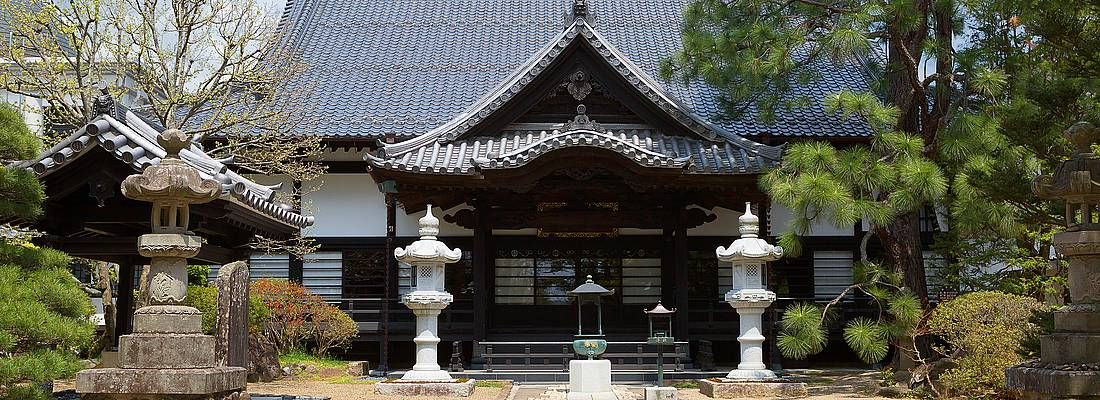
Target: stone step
617,377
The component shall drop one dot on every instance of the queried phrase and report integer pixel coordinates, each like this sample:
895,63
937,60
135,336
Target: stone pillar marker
749,295
167,356
1069,367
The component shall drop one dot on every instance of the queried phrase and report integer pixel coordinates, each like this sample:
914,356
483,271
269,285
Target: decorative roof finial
579,10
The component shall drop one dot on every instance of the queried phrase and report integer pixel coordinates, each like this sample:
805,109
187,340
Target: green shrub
198,275
984,332
205,299
332,328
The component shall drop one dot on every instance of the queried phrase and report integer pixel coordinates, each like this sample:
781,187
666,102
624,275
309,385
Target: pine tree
44,314
960,125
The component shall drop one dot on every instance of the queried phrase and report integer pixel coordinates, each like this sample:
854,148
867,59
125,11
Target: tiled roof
133,140
514,149
406,67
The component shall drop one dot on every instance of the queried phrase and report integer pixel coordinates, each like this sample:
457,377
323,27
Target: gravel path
353,391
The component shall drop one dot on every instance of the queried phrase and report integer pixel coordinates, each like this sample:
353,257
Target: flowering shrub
297,316
290,305
984,332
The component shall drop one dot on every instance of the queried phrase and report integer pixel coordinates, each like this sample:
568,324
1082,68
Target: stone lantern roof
428,249
749,248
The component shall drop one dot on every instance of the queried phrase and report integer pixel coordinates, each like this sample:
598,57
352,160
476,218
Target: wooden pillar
680,252
124,307
296,264
668,266
390,278
481,260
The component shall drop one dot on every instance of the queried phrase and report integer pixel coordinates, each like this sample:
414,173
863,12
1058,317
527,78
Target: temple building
549,148
541,133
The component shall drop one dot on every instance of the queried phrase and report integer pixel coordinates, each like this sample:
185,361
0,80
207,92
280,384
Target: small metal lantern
590,344
660,335
660,325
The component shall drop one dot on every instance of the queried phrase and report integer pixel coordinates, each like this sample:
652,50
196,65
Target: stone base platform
220,383
437,389
732,389
660,393
1033,382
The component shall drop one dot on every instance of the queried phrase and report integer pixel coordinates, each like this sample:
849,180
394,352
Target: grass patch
685,384
350,380
309,359
490,384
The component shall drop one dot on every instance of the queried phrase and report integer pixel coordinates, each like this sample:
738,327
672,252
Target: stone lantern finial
173,140
750,224
429,225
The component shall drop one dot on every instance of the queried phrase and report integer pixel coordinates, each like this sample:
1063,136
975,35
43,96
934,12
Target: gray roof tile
406,67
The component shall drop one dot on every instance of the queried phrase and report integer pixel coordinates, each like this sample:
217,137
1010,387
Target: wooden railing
367,313
556,355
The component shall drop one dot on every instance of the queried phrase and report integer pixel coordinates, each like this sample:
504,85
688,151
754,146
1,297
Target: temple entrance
532,276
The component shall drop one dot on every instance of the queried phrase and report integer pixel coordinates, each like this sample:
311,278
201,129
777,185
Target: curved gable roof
133,141
404,68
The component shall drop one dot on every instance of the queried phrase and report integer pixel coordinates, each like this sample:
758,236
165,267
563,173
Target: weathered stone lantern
748,257
428,256
167,356
660,335
590,379
1070,363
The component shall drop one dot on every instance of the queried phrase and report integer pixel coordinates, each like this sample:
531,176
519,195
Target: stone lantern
590,379
660,335
748,257
1070,363
167,356
428,256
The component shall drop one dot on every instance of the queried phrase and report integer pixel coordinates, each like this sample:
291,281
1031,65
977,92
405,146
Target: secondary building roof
404,68
132,140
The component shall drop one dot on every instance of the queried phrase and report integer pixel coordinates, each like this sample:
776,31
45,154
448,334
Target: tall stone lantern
167,356
749,256
428,256
1070,360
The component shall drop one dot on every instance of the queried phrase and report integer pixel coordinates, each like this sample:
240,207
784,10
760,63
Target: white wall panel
408,224
725,225
322,272
260,266
346,205
780,222
832,273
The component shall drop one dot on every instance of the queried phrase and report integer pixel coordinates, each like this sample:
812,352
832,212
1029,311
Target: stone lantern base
1038,381
455,388
217,383
734,389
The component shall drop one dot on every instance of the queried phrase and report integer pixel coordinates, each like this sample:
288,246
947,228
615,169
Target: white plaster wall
780,222
350,205
725,225
345,205
408,224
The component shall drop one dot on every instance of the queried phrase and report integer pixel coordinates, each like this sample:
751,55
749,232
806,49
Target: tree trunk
901,241
103,283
